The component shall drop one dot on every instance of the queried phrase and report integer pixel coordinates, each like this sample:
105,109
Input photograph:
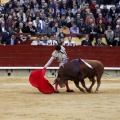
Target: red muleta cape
38,80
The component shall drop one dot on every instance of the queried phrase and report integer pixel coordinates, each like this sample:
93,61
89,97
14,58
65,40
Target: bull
77,70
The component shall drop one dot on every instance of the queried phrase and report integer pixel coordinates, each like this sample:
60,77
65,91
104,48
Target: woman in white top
60,55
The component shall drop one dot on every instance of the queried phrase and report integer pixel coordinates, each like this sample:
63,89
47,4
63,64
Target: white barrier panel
110,72
52,68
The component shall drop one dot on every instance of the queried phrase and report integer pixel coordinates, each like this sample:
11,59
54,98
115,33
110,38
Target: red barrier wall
38,55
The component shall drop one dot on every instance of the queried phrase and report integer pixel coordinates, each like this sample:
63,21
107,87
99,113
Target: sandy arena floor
20,101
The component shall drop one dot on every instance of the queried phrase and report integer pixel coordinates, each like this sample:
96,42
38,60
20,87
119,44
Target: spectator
109,23
45,40
22,38
10,6
32,14
56,29
18,7
116,41
118,22
105,11
100,17
50,17
86,42
99,42
69,42
5,16
25,6
21,28
100,27
52,23
109,35
113,12
37,41
74,29
77,19
37,21
3,27
27,13
10,22
90,16
93,32
30,29
36,8
52,41
90,23
74,10
5,37
65,29
85,11
92,6
12,40
72,21
22,15
56,10
98,11
42,4
39,29
64,10
69,15
29,19
61,20
82,24
117,17
47,29
42,14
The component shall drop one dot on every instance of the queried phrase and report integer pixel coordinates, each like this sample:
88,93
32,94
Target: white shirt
35,42
35,23
69,43
3,29
52,42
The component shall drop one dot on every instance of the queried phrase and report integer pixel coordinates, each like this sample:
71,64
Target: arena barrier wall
20,60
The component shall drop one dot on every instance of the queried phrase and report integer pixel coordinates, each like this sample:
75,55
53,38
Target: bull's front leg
77,85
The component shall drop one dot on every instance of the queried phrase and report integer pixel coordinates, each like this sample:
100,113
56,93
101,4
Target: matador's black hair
58,47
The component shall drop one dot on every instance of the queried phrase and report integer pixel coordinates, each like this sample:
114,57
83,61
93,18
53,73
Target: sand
20,101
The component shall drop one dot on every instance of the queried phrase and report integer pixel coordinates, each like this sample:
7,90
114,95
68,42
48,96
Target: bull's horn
54,82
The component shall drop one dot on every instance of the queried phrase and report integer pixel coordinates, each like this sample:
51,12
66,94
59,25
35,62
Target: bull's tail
87,64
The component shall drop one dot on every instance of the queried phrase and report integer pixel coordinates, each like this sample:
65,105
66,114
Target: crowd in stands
56,18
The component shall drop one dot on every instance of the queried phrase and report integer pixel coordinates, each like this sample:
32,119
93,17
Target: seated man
74,29
69,42
37,41
52,41
86,42
12,40
45,41
99,42
65,29
30,29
